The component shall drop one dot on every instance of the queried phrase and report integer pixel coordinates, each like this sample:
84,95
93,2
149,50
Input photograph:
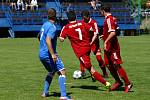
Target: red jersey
92,23
110,25
78,34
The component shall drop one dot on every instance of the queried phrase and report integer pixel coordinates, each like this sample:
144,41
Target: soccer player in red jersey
95,46
112,55
78,34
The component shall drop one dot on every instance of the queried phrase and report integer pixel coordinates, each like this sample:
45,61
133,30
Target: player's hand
105,46
101,36
91,43
61,39
54,58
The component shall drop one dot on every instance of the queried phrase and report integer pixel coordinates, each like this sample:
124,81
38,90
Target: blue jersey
47,30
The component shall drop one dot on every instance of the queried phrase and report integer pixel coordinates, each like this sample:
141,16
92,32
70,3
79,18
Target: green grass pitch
22,74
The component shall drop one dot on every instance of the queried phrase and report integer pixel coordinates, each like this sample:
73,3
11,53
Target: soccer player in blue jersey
48,55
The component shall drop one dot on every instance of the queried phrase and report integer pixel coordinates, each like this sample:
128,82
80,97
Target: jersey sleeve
111,25
95,28
63,33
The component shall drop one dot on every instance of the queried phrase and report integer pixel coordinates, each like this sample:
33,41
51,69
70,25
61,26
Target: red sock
101,64
82,69
123,75
100,60
98,77
104,70
114,73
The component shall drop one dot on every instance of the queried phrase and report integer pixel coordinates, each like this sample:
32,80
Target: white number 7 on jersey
79,32
42,31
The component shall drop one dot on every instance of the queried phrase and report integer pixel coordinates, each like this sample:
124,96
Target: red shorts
112,58
95,48
85,61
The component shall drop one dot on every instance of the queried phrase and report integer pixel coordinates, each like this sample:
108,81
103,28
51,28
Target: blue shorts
50,66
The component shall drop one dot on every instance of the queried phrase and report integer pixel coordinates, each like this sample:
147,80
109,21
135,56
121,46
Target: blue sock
47,83
62,85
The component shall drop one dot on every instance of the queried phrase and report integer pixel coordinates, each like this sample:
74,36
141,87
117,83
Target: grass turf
22,74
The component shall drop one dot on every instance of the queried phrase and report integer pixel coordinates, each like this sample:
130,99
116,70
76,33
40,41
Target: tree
142,2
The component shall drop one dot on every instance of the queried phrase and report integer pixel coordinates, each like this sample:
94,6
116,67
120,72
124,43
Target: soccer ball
77,74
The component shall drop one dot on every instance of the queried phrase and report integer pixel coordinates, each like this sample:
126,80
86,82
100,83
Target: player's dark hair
71,15
51,14
106,8
85,13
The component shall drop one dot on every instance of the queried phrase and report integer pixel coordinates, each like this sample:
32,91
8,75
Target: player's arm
94,38
50,48
63,34
111,31
111,35
95,29
38,36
